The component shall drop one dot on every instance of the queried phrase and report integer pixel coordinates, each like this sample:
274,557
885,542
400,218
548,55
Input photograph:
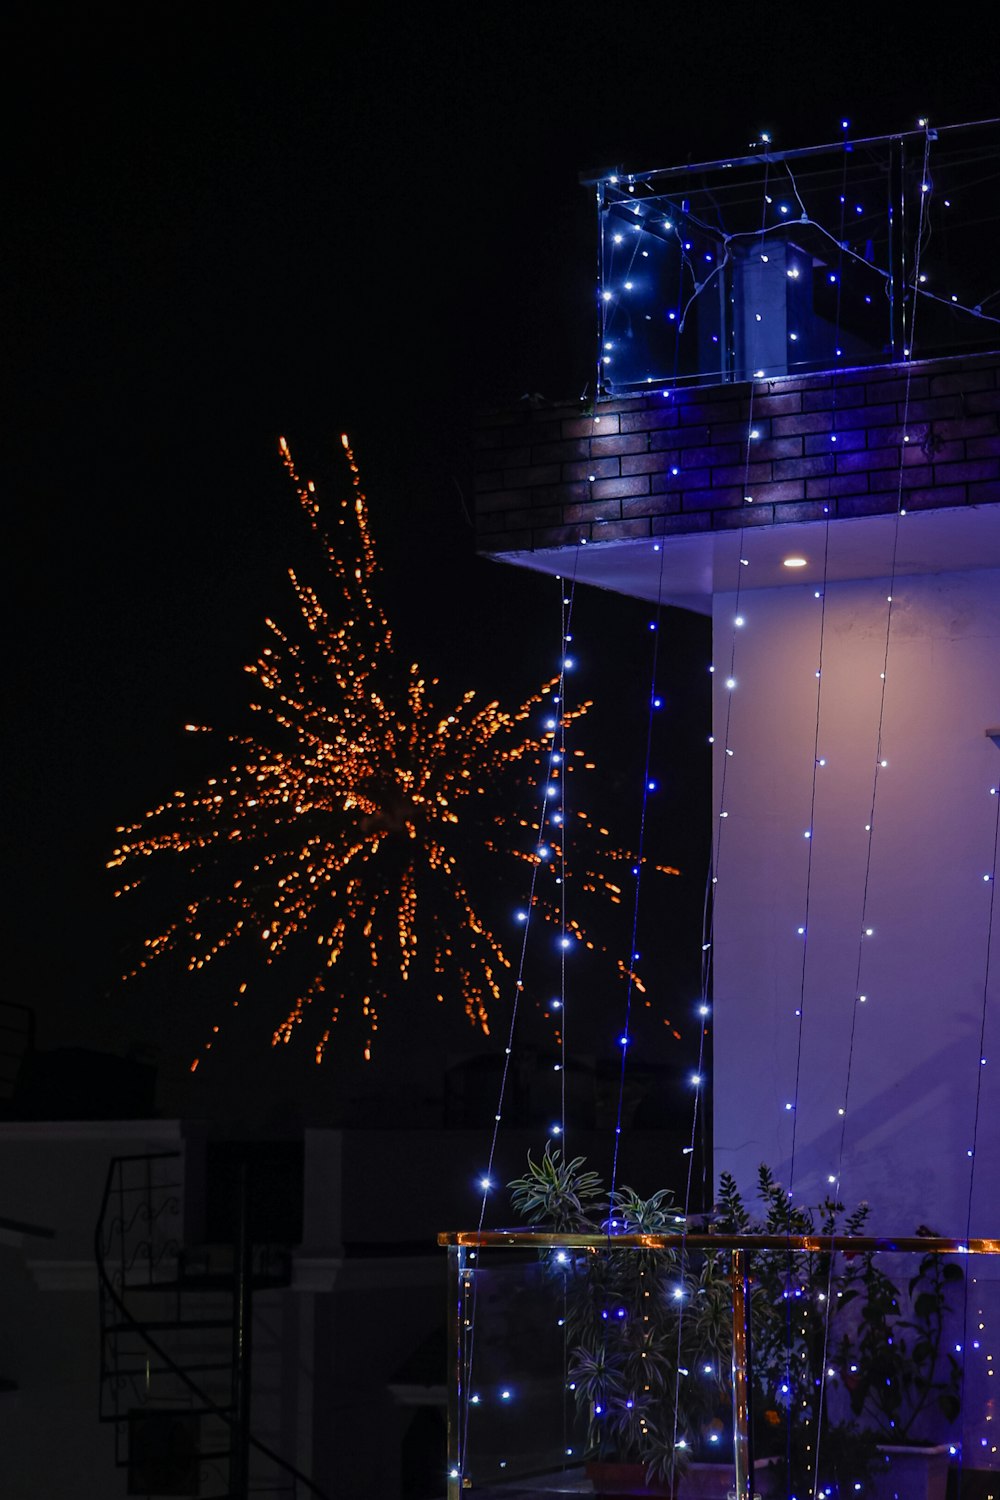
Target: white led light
793,562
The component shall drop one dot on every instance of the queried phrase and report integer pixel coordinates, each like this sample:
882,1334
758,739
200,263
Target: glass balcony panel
859,253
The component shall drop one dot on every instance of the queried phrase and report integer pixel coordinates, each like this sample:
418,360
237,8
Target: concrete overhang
687,570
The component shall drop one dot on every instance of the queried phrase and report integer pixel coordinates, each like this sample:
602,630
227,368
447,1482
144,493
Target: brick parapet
696,459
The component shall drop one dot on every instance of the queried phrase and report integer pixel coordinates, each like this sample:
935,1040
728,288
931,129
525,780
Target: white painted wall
915,1067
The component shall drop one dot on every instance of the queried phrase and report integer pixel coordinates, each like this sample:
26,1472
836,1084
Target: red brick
863,416
801,510
684,479
680,525
914,478
765,427
592,510
560,536
688,437
937,406
868,458
983,401
804,468
966,427
983,447
786,447
930,452
561,494
647,463
651,505
636,484
750,515
938,495
916,433
618,443
866,505
833,399
896,389
741,474
835,442
973,469
836,484
488,479
786,489
600,468
806,422
613,531
782,405
721,411
700,458
984,494
966,380
648,421
603,424
712,499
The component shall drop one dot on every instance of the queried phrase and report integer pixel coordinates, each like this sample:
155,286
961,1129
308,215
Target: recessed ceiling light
793,562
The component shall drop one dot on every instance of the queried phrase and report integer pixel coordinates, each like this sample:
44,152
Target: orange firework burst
335,836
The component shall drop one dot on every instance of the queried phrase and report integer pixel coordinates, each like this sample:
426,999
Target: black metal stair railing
174,1344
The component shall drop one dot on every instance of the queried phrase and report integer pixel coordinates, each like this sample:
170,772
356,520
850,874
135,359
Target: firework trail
335,841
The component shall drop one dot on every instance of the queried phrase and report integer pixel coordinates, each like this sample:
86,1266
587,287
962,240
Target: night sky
222,226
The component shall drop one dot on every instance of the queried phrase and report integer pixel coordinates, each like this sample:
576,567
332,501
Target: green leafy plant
841,1360
647,1333
901,1376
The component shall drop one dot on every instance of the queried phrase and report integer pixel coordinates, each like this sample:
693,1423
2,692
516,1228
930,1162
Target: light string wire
811,836
838,1191
567,637
626,1035
565,621
980,1064
715,862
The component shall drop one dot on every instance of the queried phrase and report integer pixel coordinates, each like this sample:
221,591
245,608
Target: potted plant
841,1361
903,1380
648,1334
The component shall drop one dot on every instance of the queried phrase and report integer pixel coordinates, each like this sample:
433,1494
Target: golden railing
461,1244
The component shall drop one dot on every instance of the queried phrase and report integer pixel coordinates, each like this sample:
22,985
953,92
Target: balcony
788,262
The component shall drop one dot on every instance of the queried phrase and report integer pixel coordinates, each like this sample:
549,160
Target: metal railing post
457,1286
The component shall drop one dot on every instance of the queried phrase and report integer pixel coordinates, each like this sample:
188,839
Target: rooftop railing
778,1365
861,252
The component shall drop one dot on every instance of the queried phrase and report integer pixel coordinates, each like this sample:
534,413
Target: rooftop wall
758,453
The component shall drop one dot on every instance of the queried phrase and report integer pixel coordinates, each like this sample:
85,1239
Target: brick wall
683,460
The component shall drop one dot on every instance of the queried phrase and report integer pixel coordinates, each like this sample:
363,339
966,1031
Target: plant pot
616,1481
911,1473
699,1481
702,1481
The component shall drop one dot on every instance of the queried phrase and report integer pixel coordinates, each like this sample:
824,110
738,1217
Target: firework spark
332,842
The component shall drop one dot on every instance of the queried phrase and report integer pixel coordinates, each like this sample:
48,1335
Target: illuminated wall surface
916,885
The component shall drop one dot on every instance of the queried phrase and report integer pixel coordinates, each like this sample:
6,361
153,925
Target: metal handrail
460,1242
857,1244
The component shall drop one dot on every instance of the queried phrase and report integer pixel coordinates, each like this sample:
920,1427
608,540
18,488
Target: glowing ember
339,832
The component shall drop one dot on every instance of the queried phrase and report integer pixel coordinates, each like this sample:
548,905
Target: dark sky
223,225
